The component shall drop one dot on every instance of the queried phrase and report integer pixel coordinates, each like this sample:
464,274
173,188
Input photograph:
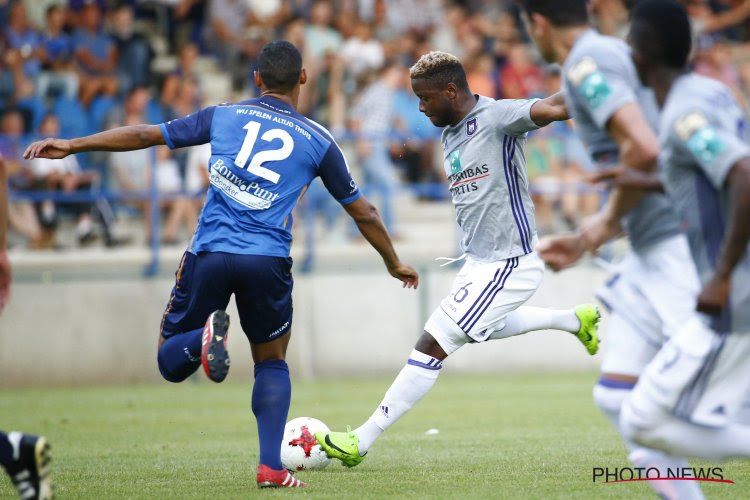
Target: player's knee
639,426
609,394
166,374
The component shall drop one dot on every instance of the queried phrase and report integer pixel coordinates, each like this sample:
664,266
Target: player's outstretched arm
368,221
118,139
550,109
715,294
4,263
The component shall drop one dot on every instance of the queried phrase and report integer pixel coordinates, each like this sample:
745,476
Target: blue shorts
262,288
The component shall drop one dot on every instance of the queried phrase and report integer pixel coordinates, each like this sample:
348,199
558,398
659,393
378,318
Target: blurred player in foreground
24,457
652,291
485,164
689,396
264,155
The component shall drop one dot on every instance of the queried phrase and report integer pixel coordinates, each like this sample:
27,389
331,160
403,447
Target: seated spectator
64,175
179,208
521,78
133,50
23,38
58,76
226,25
320,37
96,56
361,52
161,109
134,105
132,171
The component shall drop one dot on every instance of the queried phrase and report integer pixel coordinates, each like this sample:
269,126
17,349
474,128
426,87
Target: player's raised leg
26,460
194,327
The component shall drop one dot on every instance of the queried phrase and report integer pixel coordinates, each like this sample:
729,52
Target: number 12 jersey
263,156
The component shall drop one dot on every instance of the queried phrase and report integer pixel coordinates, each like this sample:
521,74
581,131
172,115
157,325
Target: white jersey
485,164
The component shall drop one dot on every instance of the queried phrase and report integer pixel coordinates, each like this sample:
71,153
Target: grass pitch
510,436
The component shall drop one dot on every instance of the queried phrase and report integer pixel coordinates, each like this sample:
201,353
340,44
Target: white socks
412,383
609,400
528,319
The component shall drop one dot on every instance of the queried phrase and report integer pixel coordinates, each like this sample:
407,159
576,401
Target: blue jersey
263,156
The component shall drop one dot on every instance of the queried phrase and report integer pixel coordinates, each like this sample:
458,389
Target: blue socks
272,393
180,355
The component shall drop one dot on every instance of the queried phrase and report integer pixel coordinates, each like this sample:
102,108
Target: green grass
516,436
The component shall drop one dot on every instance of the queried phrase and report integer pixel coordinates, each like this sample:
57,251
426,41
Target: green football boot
589,316
341,445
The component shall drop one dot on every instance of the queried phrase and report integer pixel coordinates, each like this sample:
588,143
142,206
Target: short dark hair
660,29
440,68
560,13
280,65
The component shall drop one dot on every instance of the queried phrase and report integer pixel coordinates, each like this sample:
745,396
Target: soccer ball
299,449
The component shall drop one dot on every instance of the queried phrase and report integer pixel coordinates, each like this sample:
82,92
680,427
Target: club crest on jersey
471,127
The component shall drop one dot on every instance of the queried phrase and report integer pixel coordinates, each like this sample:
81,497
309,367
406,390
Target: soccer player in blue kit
263,156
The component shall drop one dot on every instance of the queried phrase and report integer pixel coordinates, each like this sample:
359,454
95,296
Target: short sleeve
600,86
334,172
514,115
710,144
189,131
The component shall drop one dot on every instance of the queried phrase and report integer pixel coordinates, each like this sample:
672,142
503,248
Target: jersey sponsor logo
454,162
471,127
701,138
466,181
249,194
590,82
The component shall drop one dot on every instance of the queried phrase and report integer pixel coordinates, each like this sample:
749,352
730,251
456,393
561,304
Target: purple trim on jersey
492,296
424,365
511,191
165,133
519,198
615,384
481,295
692,395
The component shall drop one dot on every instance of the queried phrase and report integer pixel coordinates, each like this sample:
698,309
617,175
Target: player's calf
214,355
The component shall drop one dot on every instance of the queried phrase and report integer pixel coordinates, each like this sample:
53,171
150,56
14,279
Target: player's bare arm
626,177
371,226
118,139
550,109
715,294
4,263
639,148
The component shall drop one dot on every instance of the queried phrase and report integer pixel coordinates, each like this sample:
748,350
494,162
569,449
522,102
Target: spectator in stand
134,54
320,37
134,105
179,208
161,109
21,215
226,26
65,176
58,76
95,54
373,119
361,52
26,40
521,78
420,16
713,58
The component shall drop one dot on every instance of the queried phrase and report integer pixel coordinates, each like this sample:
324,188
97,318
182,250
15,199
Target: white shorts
650,295
481,296
698,375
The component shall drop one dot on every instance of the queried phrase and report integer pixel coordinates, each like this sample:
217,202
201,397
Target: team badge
471,127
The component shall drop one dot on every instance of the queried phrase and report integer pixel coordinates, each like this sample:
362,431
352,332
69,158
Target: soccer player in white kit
485,164
688,398
652,290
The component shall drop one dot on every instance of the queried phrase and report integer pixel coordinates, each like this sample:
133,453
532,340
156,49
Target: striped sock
412,383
